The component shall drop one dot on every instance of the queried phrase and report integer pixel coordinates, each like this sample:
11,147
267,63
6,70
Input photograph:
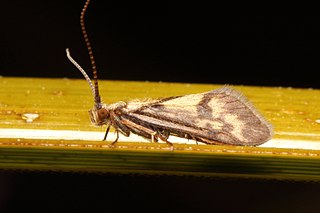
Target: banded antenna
94,86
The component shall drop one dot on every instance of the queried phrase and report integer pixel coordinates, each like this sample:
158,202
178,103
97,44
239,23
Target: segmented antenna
82,71
97,98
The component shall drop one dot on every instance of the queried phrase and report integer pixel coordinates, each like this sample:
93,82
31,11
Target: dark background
71,192
157,41
160,41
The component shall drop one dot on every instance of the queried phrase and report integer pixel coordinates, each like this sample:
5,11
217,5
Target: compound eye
103,114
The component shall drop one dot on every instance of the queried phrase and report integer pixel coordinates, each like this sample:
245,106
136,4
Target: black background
160,41
71,192
157,41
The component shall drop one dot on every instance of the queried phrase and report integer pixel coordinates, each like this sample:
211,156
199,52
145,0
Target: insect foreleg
107,131
116,122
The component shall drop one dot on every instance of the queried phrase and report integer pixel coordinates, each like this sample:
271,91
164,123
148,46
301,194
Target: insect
221,116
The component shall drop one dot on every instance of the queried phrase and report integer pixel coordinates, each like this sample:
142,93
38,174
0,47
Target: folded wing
222,115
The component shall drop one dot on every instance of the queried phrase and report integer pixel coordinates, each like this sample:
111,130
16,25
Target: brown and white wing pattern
218,116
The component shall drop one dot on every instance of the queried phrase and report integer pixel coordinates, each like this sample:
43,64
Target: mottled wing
221,115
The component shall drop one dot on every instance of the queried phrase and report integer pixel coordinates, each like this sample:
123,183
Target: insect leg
116,140
143,133
118,126
107,131
141,130
164,137
194,138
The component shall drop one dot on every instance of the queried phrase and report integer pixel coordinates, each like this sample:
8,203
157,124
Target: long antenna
97,99
82,71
